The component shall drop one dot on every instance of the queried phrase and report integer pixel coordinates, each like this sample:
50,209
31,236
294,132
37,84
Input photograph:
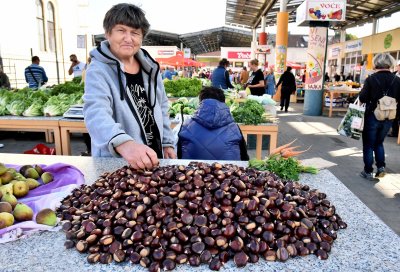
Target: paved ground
342,156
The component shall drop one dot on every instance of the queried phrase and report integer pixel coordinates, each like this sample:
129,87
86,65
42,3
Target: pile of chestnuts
197,214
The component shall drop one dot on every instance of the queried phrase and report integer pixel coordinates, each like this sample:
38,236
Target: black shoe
380,173
281,108
392,135
86,154
368,176
286,110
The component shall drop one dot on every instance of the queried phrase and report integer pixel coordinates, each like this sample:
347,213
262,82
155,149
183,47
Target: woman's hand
139,156
169,152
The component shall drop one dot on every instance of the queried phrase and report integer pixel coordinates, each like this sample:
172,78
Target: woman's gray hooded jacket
110,117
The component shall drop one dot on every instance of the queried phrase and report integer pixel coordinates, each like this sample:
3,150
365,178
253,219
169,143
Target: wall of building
20,38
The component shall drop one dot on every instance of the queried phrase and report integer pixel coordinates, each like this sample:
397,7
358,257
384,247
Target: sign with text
353,46
166,52
81,41
280,59
321,10
186,53
239,55
239,63
317,42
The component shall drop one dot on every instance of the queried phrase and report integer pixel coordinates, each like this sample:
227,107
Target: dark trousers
395,127
87,141
285,97
373,135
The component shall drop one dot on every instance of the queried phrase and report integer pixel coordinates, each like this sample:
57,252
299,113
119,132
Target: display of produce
183,105
49,102
26,193
283,162
14,185
250,113
197,214
183,87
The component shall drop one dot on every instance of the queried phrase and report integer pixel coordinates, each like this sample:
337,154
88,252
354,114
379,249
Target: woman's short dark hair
224,62
212,93
126,14
35,59
289,69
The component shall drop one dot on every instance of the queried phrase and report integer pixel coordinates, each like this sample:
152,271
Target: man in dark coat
288,87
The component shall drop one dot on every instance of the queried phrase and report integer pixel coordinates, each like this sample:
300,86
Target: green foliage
183,87
185,105
250,113
30,102
289,168
350,37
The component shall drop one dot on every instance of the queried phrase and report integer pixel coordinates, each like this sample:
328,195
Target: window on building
51,27
40,24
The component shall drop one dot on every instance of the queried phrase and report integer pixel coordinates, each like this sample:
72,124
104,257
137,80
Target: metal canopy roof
248,13
203,41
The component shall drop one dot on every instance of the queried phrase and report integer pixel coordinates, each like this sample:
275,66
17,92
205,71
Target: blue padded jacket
211,134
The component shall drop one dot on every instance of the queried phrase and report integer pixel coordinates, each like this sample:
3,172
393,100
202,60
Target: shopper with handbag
382,85
35,75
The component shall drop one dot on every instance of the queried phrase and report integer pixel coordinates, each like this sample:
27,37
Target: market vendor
126,107
256,80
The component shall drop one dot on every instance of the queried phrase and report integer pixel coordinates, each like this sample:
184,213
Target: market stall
366,244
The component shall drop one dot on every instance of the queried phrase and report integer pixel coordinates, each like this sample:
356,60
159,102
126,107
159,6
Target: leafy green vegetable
183,87
36,109
289,168
251,113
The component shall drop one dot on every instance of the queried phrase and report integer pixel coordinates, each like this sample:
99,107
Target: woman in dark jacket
288,87
374,130
220,76
212,134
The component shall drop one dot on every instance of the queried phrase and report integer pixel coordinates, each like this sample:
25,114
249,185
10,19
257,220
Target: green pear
47,177
6,177
23,212
21,189
32,183
46,217
3,169
8,188
6,220
12,171
31,173
39,169
18,176
10,198
5,207
23,168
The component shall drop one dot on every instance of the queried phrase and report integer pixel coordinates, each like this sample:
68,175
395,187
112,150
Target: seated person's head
212,93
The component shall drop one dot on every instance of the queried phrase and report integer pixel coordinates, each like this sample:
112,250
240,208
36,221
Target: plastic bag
352,123
41,149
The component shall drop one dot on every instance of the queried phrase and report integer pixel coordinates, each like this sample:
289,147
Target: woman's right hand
139,156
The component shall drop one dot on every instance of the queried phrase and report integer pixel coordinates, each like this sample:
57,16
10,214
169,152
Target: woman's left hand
169,153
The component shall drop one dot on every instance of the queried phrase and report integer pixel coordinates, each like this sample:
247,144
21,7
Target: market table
77,125
66,127
366,245
45,124
331,93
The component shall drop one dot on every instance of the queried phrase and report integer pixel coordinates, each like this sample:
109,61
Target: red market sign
239,55
166,52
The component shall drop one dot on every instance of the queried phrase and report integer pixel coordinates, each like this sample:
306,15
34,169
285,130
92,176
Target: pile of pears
14,185
21,212
19,183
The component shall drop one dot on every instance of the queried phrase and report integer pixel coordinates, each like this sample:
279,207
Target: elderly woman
256,80
270,82
125,101
374,130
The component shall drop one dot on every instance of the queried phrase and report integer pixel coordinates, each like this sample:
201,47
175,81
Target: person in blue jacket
270,82
220,76
212,134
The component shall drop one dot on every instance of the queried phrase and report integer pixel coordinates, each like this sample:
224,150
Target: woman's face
125,41
253,67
